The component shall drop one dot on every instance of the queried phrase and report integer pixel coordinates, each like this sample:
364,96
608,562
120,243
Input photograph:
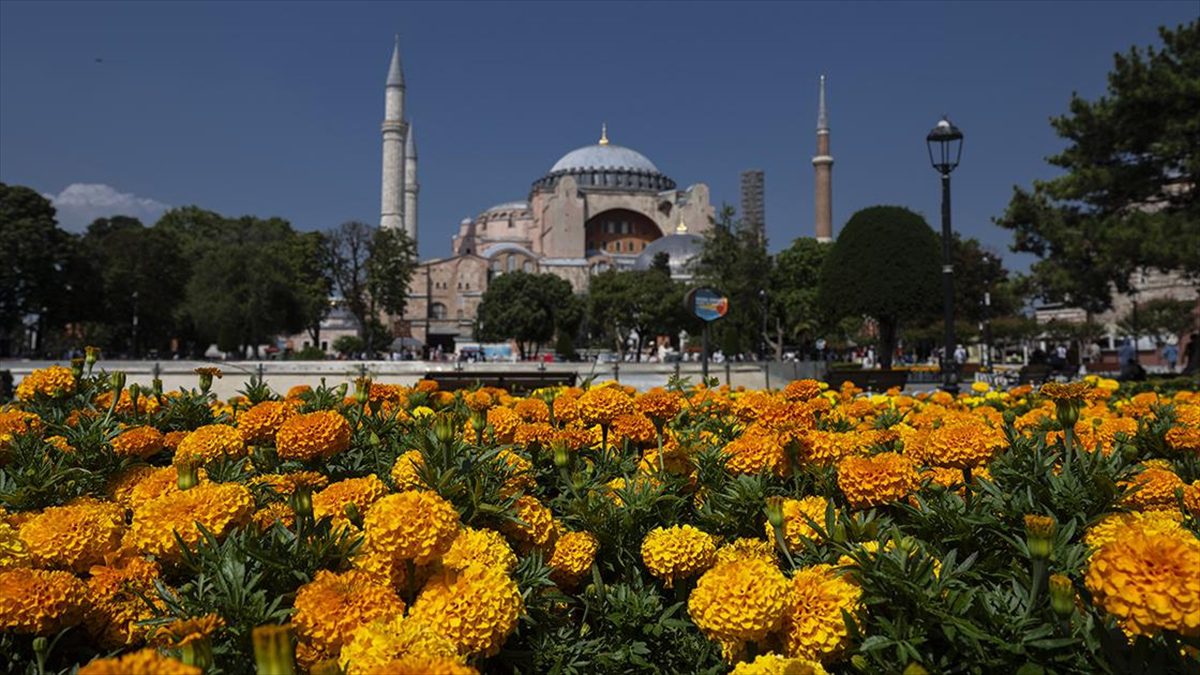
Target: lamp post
987,312
945,149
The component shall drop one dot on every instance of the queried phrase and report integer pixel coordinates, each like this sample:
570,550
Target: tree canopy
644,304
527,308
884,265
372,268
1127,197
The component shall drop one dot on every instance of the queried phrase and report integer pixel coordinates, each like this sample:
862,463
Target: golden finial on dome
681,228
604,133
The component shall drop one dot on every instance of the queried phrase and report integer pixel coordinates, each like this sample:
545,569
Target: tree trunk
887,343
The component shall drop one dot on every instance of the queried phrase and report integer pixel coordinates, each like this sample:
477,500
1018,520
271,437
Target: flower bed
389,529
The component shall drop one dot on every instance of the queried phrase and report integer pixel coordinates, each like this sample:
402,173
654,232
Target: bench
514,382
1035,374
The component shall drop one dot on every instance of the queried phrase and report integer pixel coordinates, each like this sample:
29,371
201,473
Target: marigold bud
774,511
77,367
301,501
1039,534
273,650
353,514
915,668
117,380
157,385
562,456
91,355
187,473
1062,595
362,390
443,428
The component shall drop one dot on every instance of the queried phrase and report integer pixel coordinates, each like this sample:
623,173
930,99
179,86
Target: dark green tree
371,268
792,296
734,261
33,254
1160,317
1127,197
526,308
635,305
884,265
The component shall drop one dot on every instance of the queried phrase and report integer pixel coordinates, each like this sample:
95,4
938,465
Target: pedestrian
1170,354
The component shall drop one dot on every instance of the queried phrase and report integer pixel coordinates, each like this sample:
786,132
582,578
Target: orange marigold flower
537,527
635,428
383,641
426,386
960,446
41,602
755,451
745,547
140,442
141,662
826,448
52,382
532,410
182,632
1116,526
678,552
566,408
424,665
1183,438
259,424
660,405
814,627
1191,498
74,537
316,435
406,472
573,555
333,500
478,401
334,604
219,507
16,423
876,480
412,525
287,483
1150,582
740,601
602,405
486,547
1154,490
802,390
210,442
280,512
476,608
534,433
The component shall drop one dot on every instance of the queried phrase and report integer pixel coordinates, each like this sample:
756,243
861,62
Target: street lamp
945,149
987,311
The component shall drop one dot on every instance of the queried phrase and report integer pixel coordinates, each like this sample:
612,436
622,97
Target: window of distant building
437,311
528,266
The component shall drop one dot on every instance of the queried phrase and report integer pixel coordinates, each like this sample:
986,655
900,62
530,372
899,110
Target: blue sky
273,109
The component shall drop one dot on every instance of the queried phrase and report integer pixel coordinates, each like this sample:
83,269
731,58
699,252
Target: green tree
526,308
1160,317
635,305
792,297
1127,198
371,268
884,265
735,262
34,252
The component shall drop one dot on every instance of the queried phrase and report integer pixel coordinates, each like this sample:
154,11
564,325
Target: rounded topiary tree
884,265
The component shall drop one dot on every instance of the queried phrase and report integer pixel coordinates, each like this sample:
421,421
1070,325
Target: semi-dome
682,249
607,166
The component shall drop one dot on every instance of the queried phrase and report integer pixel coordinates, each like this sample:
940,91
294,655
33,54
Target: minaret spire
391,209
411,187
823,172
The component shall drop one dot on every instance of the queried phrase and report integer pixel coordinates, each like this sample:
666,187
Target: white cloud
81,203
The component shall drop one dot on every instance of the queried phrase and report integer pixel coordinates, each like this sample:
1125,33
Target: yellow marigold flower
520,470
796,529
744,547
1183,438
378,643
316,435
362,492
537,528
406,471
635,428
814,627
219,507
960,446
602,405
740,601
266,517
121,485
1150,582
530,433
828,447
504,423
573,555
334,604
755,451
566,408
141,662
774,664
678,552
1154,490
12,550
880,479
412,525
259,424
802,390
1191,498
532,410
476,608
16,423
140,442
424,665
1116,526
41,602
575,439
52,382
210,442
485,547
74,537
659,405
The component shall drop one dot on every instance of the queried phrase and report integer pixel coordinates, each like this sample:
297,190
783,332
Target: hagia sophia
601,206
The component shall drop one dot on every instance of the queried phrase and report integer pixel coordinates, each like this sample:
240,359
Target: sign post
707,305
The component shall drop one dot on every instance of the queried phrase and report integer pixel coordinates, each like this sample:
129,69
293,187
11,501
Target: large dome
604,156
682,248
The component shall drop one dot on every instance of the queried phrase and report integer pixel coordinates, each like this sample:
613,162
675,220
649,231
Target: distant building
753,204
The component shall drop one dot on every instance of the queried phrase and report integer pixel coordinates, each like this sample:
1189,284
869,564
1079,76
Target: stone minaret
411,187
391,211
823,168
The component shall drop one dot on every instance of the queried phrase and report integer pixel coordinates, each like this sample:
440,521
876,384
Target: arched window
437,311
512,263
527,266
